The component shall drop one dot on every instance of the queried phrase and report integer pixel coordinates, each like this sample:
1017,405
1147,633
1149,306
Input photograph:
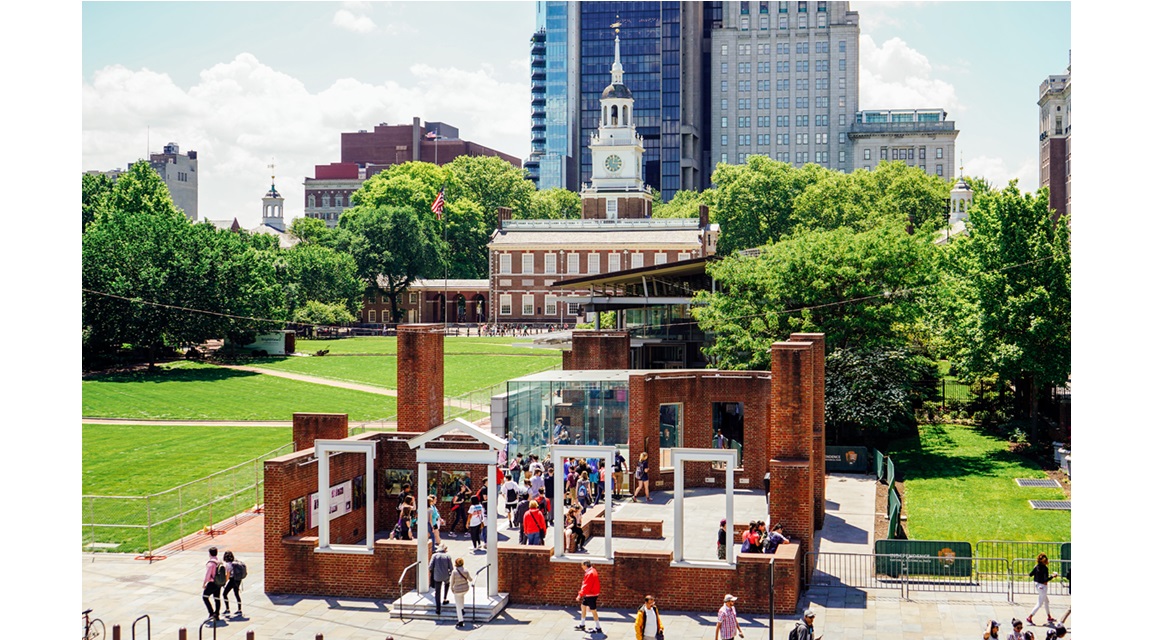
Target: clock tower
617,189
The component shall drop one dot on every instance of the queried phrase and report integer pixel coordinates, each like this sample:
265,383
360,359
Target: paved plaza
121,588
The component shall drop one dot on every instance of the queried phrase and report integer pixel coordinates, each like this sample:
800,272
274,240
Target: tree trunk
1033,408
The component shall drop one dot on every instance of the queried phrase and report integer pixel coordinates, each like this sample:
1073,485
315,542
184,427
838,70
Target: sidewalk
120,589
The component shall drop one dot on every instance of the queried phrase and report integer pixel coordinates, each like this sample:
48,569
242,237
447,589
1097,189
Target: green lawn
171,465
960,485
462,373
197,391
452,345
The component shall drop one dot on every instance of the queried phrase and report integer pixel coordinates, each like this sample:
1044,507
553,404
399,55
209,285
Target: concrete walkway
120,588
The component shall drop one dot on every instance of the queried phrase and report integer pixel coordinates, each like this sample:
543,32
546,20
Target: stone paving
121,588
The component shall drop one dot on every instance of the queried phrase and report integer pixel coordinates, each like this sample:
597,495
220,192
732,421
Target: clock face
613,163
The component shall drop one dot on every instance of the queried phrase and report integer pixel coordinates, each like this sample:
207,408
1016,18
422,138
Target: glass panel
670,432
589,412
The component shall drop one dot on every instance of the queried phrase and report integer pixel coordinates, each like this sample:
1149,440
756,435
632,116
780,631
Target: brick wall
531,579
307,427
818,433
790,443
419,377
598,350
698,390
643,528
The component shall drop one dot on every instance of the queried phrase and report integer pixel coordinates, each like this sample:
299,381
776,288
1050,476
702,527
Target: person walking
728,624
461,581
618,468
459,509
535,526
236,571
583,491
648,626
212,585
476,521
805,630
1042,575
441,568
641,479
575,523
433,521
588,592
721,540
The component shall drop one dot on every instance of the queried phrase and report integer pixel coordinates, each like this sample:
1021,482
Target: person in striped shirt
728,625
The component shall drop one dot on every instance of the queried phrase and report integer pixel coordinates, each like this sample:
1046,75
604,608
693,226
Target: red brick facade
307,427
698,390
598,350
818,434
420,377
633,207
790,443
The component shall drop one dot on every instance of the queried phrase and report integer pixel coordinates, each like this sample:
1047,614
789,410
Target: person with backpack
804,630
775,538
618,468
236,571
459,583
476,521
583,491
215,577
648,626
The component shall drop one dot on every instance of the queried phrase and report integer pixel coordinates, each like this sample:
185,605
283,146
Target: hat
994,623
443,547
809,613
723,521
730,598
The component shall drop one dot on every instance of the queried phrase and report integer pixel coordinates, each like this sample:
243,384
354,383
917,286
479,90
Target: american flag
438,205
431,135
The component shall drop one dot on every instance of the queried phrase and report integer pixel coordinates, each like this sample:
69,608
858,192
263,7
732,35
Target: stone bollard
115,632
250,636
183,635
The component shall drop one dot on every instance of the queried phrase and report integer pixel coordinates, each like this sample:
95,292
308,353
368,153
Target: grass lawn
197,391
138,460
452,345
960,485
462,373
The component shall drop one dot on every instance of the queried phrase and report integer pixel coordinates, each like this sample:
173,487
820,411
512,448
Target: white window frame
528,304
323,484
527,262
660,257
505,304
613,262
505,263
683,255
573,263
636,260
550,306
679,455
549,263
607,454
592,263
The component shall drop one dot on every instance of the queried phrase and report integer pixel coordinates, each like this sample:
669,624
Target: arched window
326,200
614,115
625,115
311,202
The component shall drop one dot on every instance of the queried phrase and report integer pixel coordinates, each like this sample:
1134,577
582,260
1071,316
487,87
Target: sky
253,84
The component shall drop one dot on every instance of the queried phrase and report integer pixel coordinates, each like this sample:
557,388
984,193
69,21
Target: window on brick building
660,257
505,304
505,263
636,260
612,262
549,263
670,431
550,305
573,263
527,263
593,263
528,305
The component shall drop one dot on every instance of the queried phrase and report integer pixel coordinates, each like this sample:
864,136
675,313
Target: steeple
961,196
273,204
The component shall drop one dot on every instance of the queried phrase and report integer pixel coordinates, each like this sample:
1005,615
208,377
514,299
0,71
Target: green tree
145,267
860,289
392,246
1017,262
490,182
554,204
314,273
311,231
318,313
873,392
95,188
754,202
684,204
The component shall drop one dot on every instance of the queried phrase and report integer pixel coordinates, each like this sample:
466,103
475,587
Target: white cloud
345,19
996,171
896,76
241,114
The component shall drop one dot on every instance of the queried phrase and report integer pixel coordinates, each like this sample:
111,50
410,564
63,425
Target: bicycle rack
146,619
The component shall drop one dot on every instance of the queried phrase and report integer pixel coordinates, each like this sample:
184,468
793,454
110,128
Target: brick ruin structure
783,434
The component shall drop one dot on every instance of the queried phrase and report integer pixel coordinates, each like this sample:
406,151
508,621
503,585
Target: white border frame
323,484
679,455
558,452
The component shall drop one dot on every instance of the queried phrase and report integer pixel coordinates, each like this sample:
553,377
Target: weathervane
273,168
616,25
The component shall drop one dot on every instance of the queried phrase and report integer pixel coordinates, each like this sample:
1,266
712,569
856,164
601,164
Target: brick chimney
703,217
502,214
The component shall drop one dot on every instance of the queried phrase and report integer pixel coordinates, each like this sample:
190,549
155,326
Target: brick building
365,153
424,302
783,423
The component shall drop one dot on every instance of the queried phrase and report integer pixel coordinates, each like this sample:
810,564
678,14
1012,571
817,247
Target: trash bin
767,487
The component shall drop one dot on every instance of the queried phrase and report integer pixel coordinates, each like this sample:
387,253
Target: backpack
239,570
582,493
221,574
794,634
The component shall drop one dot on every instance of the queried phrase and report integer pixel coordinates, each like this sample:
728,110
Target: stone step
423,606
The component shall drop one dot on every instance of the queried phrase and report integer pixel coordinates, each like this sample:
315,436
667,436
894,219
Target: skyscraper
784,82
662,48
1055,140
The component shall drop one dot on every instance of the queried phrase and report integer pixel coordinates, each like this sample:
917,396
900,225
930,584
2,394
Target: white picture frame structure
558,453
323,449
679,455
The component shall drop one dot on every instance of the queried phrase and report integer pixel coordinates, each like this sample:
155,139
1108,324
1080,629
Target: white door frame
558,453
679,455
323,448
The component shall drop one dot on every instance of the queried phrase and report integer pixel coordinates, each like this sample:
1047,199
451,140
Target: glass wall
567,407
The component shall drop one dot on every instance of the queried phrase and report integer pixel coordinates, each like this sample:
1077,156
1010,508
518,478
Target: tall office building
784,82
922,138
1055,141
662,48
179,172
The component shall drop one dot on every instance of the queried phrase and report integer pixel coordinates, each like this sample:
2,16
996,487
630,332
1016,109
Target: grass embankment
959,484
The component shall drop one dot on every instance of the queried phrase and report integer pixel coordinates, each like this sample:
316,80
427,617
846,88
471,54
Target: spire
617,66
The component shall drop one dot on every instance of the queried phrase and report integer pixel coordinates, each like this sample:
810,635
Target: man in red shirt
588,592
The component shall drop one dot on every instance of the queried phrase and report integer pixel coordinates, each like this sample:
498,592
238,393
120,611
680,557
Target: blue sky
244,83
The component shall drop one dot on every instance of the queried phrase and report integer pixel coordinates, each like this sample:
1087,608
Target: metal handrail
401,585
213,621
477,579
145,618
